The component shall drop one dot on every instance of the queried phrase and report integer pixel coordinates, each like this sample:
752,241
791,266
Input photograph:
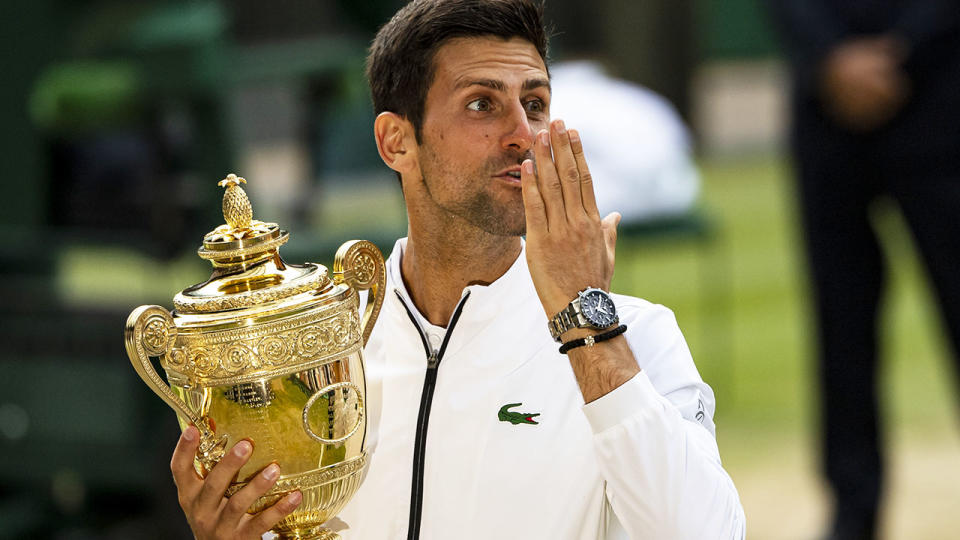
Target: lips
511,174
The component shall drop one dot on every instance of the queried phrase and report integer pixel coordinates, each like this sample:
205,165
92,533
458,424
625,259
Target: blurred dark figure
876,113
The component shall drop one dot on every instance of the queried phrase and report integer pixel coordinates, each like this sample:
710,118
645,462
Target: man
875,114
476,428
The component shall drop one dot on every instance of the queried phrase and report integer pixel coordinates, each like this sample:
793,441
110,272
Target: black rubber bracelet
590,340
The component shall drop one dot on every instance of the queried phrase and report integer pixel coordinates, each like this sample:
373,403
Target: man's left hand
569,248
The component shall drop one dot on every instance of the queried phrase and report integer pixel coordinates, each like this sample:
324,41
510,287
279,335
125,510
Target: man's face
488,100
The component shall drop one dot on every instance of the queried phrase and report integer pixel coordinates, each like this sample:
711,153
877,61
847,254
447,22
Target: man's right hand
212,515
863,84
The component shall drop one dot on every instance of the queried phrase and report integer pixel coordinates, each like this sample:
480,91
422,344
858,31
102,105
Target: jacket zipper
426,398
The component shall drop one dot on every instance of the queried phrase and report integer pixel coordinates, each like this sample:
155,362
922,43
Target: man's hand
862,83
569,248
209,513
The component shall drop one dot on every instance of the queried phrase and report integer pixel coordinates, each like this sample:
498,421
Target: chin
503,229
511,223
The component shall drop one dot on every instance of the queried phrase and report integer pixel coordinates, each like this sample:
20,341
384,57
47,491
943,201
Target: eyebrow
498,85
531,84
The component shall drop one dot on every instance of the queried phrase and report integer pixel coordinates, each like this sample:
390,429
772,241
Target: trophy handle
327,390
359,264
150,331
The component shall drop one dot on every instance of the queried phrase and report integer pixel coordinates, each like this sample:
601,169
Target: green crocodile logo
516,417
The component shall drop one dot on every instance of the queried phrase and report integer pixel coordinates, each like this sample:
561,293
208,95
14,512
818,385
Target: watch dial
598,308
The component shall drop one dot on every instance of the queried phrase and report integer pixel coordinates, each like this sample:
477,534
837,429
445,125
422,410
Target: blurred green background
159,100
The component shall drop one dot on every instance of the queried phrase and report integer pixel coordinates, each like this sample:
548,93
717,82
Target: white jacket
640,462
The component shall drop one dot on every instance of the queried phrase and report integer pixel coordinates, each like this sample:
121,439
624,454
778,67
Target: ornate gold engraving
314,478
254,289
156,335
365,268
217,358
331,389
245,350
221,234
360,264
151,331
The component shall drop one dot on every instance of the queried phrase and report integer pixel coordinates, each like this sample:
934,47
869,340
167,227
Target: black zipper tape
426,399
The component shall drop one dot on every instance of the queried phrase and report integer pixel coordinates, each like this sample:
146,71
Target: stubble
479,207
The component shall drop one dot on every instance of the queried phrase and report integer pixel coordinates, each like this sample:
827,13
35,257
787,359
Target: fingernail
527,167
271,471
294,498
558,125
544,138
190,434
242,449
574,136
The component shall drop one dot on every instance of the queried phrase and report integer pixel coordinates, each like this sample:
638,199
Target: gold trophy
272,352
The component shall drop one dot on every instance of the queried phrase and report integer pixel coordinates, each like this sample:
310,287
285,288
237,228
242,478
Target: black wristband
590,340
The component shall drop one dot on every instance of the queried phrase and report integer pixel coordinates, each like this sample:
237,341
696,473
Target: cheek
537,125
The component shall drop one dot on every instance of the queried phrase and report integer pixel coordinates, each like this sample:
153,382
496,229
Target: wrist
590,310
577,333
591,340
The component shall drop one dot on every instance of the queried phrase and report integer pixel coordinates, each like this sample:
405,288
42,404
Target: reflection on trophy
272,352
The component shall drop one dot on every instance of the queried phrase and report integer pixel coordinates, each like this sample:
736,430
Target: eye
535,106
480,105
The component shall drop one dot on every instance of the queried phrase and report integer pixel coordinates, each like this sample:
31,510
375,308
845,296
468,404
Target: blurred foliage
735,29
86,96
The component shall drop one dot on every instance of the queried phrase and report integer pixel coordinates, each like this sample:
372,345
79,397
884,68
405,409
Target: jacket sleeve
654,439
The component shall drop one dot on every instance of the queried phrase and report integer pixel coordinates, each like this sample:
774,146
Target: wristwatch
592,308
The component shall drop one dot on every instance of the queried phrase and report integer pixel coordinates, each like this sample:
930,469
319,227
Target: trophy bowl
270,352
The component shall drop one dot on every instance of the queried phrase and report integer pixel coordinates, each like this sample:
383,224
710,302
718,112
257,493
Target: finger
586,180
270,516
548,184
532,202
567,171
238,504
217,482
181,465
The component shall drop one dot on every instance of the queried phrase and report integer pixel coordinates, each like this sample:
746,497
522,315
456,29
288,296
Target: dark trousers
840,176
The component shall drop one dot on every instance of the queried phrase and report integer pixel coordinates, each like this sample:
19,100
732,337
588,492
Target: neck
436,268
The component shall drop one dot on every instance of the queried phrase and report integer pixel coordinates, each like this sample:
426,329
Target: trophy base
312,533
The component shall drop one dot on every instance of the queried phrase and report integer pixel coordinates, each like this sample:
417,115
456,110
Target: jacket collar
514,288
495,308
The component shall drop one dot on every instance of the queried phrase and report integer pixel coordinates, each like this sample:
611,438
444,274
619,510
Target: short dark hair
400,65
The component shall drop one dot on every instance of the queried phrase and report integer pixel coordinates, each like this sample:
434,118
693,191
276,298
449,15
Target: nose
519,133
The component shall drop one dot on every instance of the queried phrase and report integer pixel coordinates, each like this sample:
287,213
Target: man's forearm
603,367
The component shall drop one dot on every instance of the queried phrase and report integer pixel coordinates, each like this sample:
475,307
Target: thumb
609,225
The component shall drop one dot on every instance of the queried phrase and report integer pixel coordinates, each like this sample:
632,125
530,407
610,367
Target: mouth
511,175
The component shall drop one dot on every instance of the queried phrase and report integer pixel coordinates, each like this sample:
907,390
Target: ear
396,142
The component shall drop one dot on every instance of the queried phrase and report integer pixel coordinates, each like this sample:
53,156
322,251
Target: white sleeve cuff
622,402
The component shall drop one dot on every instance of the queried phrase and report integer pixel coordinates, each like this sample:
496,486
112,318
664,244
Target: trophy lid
248,270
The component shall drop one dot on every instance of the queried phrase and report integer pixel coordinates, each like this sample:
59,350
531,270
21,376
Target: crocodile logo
516,417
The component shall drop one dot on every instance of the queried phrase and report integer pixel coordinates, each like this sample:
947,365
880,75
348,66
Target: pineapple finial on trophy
254,236
237,210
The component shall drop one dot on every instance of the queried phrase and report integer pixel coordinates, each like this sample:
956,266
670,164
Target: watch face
598,308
